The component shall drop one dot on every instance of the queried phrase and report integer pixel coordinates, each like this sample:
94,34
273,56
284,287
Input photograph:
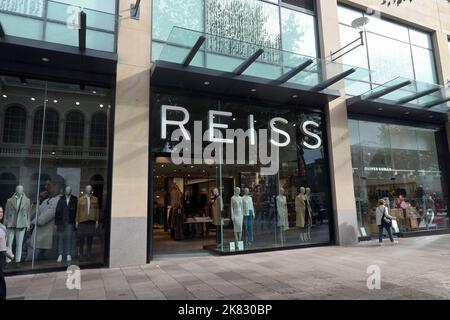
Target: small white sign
395,226
363,232
232,246
241,245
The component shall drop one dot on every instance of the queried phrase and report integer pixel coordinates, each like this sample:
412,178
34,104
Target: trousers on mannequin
18,234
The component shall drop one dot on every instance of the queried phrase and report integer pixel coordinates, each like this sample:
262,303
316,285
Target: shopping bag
395,226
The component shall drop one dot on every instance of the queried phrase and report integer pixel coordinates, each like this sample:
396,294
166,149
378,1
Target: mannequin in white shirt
249,215
237,214
282,209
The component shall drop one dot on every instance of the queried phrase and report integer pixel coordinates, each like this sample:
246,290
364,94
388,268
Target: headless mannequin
67,205
249,215
300,209
217,209
282,214
237,214
17,220
308,216
87,215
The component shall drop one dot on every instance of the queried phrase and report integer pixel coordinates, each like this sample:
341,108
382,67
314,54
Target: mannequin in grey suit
17,219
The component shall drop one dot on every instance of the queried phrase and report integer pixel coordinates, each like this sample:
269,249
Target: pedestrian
4,253
384,221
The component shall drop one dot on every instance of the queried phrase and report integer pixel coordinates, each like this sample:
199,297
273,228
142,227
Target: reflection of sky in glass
101,5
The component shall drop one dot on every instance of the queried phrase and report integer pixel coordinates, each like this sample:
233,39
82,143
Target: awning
405,99
197,61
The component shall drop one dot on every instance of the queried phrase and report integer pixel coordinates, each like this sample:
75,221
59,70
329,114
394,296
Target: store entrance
182,221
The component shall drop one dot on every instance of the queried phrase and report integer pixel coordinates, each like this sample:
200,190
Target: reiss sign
222,140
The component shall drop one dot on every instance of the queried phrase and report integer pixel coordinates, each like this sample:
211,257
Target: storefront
56,116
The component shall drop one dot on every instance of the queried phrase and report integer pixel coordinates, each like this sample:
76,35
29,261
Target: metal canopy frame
258,68
82,31
404,99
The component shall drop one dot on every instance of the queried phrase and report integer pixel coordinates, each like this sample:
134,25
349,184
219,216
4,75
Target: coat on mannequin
282,211
17,220
217,209
65,216
45,217
87,220
237,214
249,215
300,208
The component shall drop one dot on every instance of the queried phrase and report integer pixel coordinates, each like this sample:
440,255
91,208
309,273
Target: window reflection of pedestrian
4,253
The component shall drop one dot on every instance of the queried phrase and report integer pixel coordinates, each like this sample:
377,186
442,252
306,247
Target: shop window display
406,166
55,212
237,196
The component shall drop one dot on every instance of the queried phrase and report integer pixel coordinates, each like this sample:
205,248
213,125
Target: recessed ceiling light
295,96
255,121
380,109
101,106
234,119
33,99
206,83
253,90
94,92
55,101
77,103
53,152
4,96
162,166
295,125
44,59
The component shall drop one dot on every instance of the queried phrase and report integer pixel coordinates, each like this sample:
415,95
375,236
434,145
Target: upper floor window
51,129
99,130
74,129
306,4
14,125
391,49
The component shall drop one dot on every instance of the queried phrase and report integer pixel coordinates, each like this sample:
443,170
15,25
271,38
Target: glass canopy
412,94
276,67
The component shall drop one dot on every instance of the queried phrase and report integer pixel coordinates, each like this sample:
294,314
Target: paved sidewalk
417,268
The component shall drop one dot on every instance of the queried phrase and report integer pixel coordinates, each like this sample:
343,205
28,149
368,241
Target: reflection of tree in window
98,130
51,127
15,125
74,129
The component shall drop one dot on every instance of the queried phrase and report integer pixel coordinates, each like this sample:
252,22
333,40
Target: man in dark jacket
66,210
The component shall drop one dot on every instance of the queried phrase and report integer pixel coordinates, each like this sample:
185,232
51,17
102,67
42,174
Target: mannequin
300,210
66,210
87,220
176,196
217,208
17,220
282,214
308,214
249,215
237,214
45,220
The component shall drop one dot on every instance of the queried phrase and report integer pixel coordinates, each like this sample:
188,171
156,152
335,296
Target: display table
199,222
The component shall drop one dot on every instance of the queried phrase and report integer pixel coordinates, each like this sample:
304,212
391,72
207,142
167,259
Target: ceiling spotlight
44,59
295,96
380,109
234,119
5,96
53,152
431,117
77,103
33,99
253,90
101,106
55,101
94,92
206,83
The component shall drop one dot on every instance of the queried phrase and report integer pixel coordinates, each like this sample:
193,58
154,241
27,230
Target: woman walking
4,253
384,221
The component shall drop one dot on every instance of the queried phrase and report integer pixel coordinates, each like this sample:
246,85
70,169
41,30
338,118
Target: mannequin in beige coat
17,220
300,209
